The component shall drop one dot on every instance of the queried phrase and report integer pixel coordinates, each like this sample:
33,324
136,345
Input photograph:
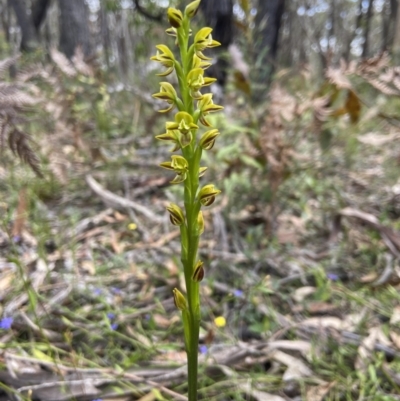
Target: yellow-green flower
198,273
205,106
191,8
166,58
196,81
199,63
175,17
167,93
207,141
179,300
178,164
207,194
183,122
203,40
200,222
176,214
172,136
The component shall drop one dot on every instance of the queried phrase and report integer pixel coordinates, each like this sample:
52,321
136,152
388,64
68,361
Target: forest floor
301,298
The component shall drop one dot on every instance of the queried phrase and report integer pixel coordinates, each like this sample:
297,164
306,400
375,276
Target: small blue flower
111,315
203,349
332,276
114,326
98,399
97,291
6,323
115,290
238,293
17,239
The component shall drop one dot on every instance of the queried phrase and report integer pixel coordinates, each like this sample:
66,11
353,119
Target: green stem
190,243
192,287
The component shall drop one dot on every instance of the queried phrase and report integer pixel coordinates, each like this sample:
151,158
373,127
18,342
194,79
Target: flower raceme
182,131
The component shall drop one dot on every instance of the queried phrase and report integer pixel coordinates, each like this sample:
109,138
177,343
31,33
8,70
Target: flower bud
202,171
200,223
176,215
198,273
191,8
207,194
175,17
179,300
208,139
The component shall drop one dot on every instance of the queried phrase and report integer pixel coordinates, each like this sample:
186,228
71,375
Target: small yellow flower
220,321
132,226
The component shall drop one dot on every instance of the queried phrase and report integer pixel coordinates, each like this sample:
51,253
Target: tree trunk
365,49
39,10
385,26
29,39
396,40
74,28
332,22
105,34
268,20
394,10
218,15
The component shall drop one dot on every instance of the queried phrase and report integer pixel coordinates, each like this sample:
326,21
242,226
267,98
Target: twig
119,202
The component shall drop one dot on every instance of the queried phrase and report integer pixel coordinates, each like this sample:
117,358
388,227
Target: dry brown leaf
369,278
395,318
336,77
296,368
321,308
6,279
366,349
21,214
172,356
115,242
375,139
62,62
257,394
318,393
395,338
348,323
303,292
324,321
353,106
88,267
304,347
290,229
161,321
